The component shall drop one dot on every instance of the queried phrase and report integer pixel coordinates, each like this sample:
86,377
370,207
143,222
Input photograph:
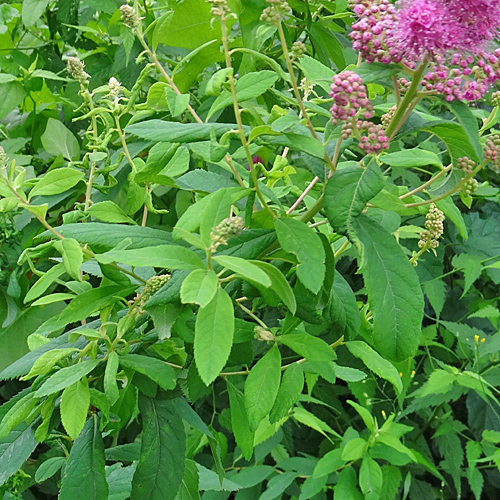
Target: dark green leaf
289,392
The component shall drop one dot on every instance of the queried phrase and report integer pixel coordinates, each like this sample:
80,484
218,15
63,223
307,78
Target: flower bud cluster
465,164
492,150
264,335
469,187
3,156
433,228
372,35
129,16
403,85
495,98
114,87
375,139
386,118
349,97
219,8
228,228
152,285
298,50
272,14
75,67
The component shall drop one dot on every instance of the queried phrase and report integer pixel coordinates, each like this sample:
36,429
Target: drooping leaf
261,386
84,475
214,330
160,469
296,237
394,291
75,402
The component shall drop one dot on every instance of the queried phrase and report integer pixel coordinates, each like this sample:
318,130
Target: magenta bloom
427,27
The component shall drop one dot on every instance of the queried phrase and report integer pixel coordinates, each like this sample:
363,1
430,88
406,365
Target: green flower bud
129,17
76,68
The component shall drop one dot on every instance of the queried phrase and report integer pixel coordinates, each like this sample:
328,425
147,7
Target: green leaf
47,361
177,103
365,415
394,291
84,476
160,469
57,181
75,402
471,266
157,96
189,27
248,87
13,94
15,449
66,376
214,330
33,11
289,392
59,140
343,309
277,485
239,421
48,468
307,346
411,158
297,238
453,213
107,211
354,449
153,368
370,478
244,268
346,487
72,255
328,463
279,284
455,139
307,418
110,385
261,386
199,287
167,256
348,191
217,208
189,489
376,363
17,413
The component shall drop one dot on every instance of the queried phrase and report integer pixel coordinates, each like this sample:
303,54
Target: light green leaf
199,287
59,140
376,363
72,255
411,158
47,361
296,237
370,478
13,94
155,369
84,476
167,256
66,376
239,420
32,11
48,468
107,211
307,346
17,413
75,402
110,385
261,386
289,392
177,103
307,418
217,208
213,339
160,469
52,298
354,449
57,181
394,291
244,268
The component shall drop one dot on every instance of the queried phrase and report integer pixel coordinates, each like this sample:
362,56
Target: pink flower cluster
452,34
349,97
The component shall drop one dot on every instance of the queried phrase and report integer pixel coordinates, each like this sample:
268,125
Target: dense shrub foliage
249,250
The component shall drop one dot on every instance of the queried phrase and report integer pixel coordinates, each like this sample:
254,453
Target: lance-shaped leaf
394,291
347,193
199,287
84,476
214,330
75,402
160,469
297,238
239,420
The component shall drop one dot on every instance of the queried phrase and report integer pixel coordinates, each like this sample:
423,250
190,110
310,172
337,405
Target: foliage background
136,419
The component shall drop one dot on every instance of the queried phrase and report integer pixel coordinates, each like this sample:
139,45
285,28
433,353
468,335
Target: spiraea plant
249,249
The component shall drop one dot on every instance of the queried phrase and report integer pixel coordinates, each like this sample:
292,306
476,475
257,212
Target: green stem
239,122
408,98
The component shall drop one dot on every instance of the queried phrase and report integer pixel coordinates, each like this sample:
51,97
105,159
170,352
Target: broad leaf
57,181
160,469
108,211
59,140
199,287
84,476
261,386
72,255
213,339
75,402
155,369
307,346
289,392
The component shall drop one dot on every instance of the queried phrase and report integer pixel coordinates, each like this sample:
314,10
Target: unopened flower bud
298,49
3,156
114,87
129,16
76,68
264,335
228,228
